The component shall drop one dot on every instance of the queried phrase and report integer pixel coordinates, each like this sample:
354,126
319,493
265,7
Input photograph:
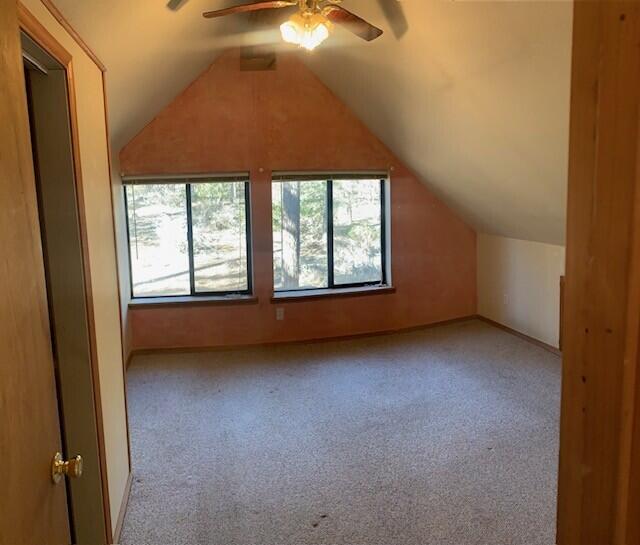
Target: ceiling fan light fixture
306,30
292,29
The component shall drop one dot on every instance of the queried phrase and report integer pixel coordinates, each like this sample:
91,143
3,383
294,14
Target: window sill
193,301
306,295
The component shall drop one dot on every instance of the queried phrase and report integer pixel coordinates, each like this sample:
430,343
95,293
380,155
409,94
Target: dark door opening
53,159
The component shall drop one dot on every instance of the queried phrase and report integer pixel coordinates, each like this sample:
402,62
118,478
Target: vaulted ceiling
474,97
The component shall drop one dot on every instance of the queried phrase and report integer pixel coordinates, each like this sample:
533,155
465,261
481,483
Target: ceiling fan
312,21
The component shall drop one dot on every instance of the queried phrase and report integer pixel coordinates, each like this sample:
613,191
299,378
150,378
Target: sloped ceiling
474,97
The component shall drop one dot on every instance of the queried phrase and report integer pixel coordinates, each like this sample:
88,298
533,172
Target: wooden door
32,508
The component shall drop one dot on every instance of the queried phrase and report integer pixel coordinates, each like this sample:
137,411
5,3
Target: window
328,233
188,238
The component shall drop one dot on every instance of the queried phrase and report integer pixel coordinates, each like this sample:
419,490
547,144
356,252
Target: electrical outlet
279,314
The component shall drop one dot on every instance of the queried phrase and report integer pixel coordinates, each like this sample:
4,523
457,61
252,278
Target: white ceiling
474,97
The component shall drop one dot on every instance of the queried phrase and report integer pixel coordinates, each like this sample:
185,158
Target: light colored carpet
443,436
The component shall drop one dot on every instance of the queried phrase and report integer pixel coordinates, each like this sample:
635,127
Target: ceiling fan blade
175,5
253,6
395,15
269,18
357,25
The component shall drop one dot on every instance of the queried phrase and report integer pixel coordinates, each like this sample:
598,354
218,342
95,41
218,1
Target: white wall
122,249
519,285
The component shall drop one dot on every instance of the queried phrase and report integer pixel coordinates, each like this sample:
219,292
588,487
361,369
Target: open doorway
67,286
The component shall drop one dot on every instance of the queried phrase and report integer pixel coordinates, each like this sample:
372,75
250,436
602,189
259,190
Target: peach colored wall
286,119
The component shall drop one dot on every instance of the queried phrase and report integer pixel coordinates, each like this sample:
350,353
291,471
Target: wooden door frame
598,493
42,37
599,477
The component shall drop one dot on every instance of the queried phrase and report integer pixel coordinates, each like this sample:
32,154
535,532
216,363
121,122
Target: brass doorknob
70,468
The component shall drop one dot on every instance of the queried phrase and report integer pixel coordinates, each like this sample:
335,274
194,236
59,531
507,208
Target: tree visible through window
328,233
188,238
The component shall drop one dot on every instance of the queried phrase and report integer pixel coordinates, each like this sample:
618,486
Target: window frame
187,183
331,284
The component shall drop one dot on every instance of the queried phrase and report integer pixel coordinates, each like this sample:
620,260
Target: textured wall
519,285
230,120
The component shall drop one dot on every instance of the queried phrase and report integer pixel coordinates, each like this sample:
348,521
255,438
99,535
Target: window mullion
126,215
192,271
248,239
383,231
330,256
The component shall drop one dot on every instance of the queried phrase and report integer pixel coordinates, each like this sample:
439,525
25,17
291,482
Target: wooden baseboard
188,349
538,343
123,509
127,362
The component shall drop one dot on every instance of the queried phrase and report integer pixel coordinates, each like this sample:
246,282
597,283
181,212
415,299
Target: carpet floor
442,436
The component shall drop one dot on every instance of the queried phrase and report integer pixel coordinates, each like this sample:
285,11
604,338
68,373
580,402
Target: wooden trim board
37,31
597,497
188,350
536,342
191,301
523,336
123,509
57,15
561,333
128,360
337,293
